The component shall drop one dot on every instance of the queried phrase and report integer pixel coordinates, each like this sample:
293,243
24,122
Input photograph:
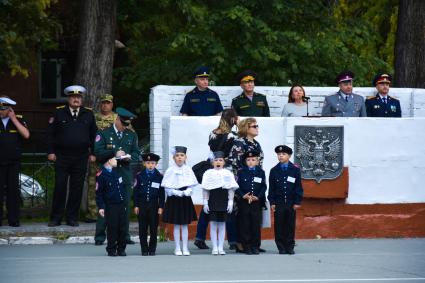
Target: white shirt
72,111
5,121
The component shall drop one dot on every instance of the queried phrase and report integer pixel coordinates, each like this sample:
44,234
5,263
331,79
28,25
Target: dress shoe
221,252
122,253
145,253
72,223
178,252
290,252
130,242
89,220
186,253
255,251
248,251
98,243
112,253
214,252
261,250
201,245
54,223
232,247
151,253
14,224
282,252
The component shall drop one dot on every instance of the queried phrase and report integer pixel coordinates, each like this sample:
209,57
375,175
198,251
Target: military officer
13,130
104,119
344,103
250,103
121,141
381,104
201,101
71,134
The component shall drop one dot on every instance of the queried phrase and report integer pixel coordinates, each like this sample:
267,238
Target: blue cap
202,72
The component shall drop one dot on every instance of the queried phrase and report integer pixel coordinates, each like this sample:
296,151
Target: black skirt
179,210
217,204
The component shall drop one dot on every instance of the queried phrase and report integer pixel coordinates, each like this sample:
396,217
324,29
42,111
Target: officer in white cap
71,133
13,130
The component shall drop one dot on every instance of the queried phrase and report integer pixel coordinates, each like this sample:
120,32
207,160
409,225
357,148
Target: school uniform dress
250,180
219,186
285,190
148,196
179,209
111,196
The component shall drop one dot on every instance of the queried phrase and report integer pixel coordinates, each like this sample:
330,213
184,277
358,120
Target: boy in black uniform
111,201
252,187
149,199
285,195
12,131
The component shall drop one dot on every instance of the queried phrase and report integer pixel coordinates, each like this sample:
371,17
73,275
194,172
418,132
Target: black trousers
284,227
249,218
9,187
74,168
148,220
115,218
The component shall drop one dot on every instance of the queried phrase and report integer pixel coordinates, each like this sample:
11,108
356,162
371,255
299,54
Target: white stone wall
385,157
165,101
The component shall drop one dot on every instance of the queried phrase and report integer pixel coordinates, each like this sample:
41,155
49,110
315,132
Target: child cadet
285,195
111,201
252,188
148,199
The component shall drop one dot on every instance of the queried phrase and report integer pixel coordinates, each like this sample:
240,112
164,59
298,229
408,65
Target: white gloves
206,209
187,192
178,193
229,206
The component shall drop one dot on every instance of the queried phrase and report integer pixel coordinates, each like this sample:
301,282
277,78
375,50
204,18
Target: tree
25,28
410,44
96,48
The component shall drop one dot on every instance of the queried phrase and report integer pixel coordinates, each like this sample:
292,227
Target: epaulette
19,116
392,97
60,107
239,96
371,97
88,108
259,94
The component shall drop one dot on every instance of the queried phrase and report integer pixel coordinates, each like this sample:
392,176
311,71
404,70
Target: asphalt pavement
356,260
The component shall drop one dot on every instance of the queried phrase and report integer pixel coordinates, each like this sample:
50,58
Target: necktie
75,114
119,135
385,100
346,98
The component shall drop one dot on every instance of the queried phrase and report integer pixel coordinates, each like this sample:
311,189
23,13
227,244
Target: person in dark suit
382,104
149,198
285,195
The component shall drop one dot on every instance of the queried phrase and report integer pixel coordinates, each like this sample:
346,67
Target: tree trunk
410,44
96,49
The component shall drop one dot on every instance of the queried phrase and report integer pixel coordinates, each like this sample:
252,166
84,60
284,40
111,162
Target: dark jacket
252,181
285,185
109,188
147,189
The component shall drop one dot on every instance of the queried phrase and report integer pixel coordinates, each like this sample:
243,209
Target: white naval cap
7,101
75,89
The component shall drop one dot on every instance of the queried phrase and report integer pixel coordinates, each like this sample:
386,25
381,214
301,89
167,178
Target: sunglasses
254,126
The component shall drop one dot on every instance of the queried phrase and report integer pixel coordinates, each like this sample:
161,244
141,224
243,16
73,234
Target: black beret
283,148
150,157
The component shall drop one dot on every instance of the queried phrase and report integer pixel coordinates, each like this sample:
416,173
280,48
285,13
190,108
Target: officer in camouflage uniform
104,119
123,142
250,103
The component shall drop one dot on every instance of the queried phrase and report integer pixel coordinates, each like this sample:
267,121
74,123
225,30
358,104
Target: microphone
306,98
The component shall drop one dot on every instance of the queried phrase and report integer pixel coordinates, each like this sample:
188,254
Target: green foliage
283,41
25,27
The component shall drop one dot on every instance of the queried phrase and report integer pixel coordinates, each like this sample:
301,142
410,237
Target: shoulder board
88,108
392,97
258,94
19,116
371,97
60,107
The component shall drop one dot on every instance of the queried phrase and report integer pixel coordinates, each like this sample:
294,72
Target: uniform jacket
375,107
69,136
252,181
147,189
201,103
258,107
335,105
285,185
10,141
109,188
